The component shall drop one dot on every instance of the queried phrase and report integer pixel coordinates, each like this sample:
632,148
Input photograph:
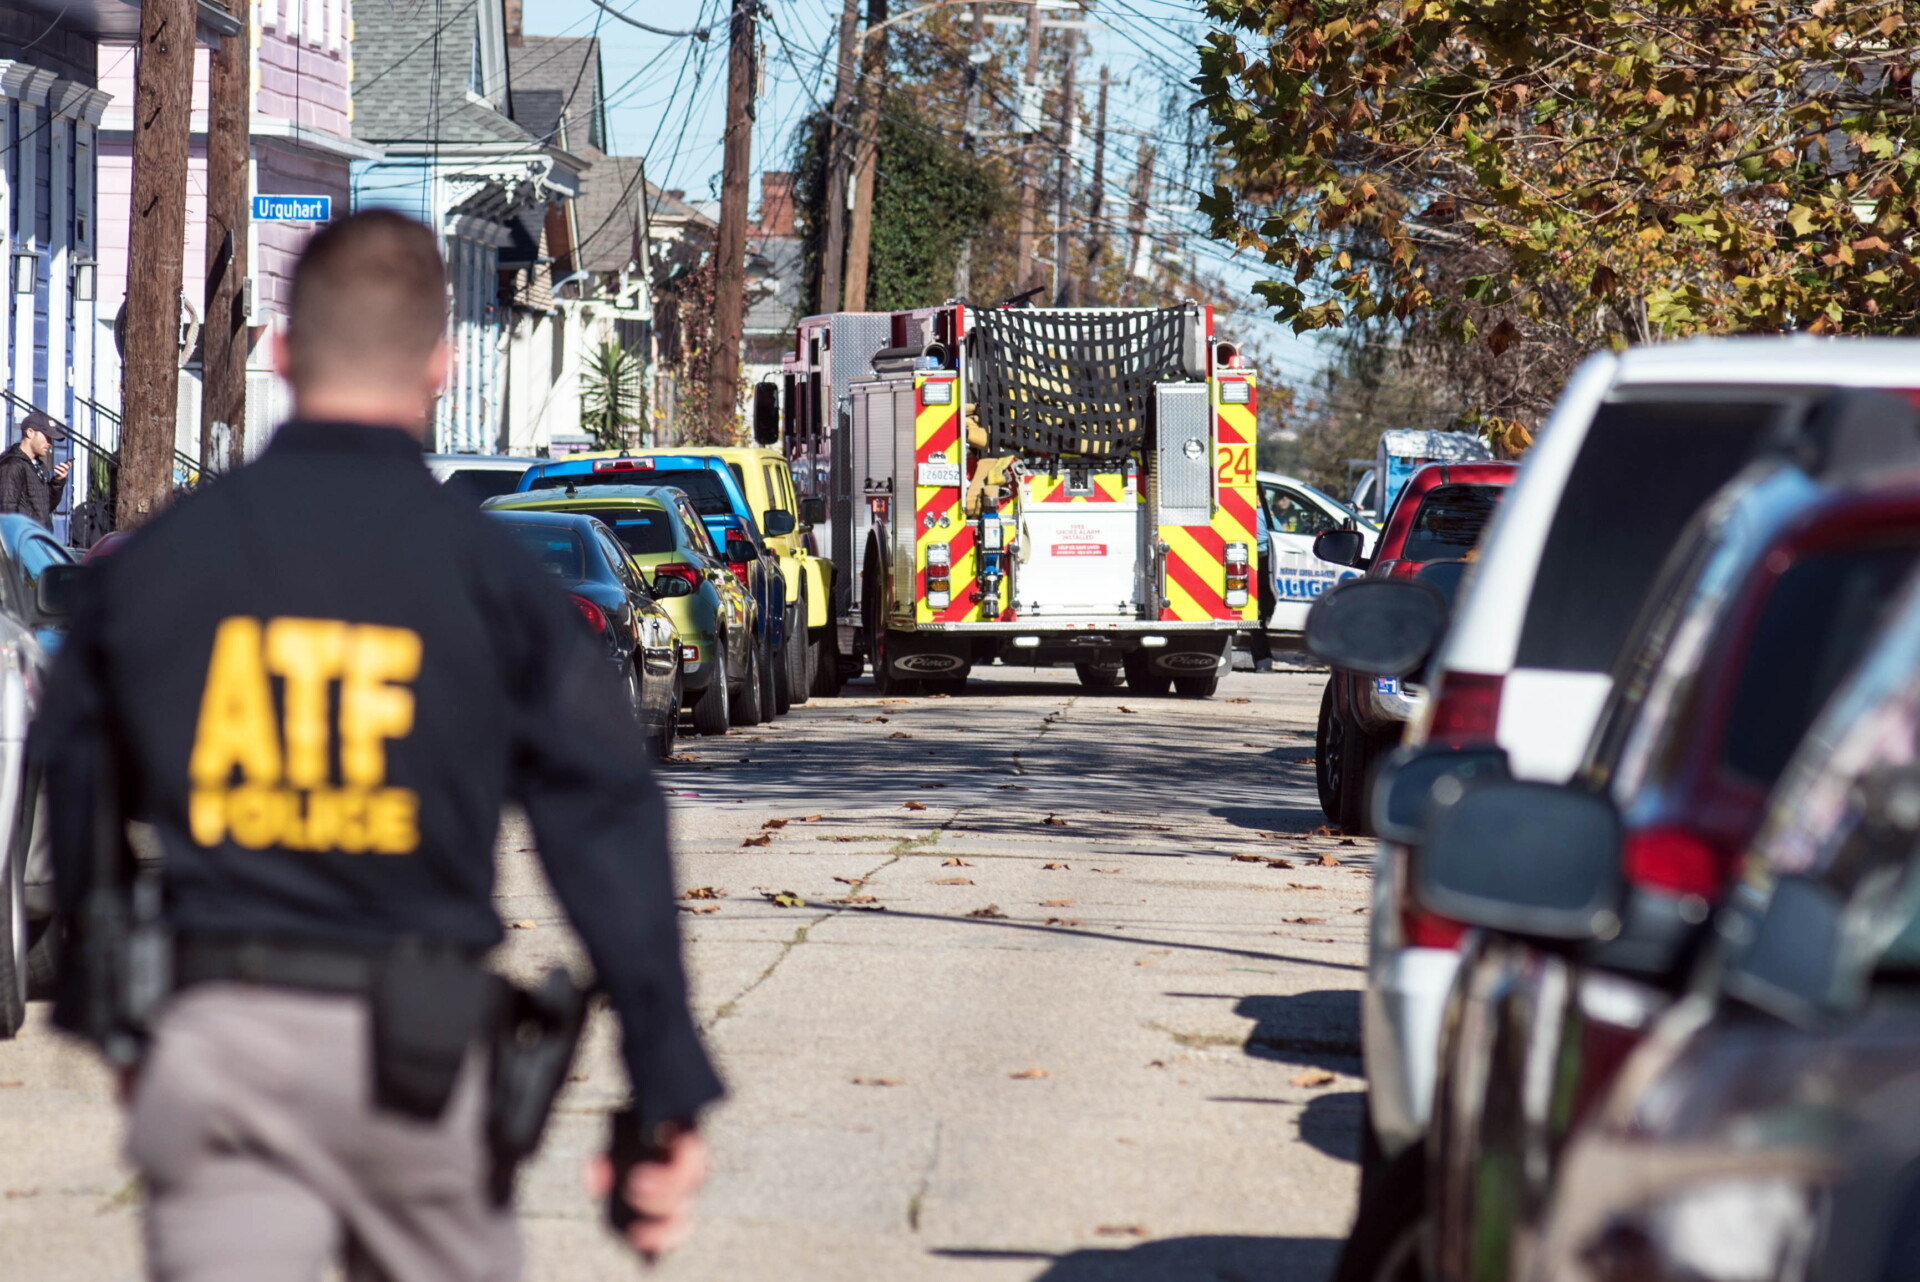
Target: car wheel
1141,678
636,695
669,721
770,670
1100,676
1326,755
782,683
710,710
1197,687
799,658
884,680
826,662
1362,753
743,709
13,941
1388,1241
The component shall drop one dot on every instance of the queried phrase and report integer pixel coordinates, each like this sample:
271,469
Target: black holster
430,1007
536,1033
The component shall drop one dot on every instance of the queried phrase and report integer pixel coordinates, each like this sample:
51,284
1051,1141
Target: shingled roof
410,78
556,76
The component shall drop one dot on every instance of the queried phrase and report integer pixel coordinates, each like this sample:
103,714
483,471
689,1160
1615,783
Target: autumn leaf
856,899
1237,699
852,881
784,899
764,839
1312,1077
913,805
523,925
1279,863
1120,1230
1064,921
956,862
953,881
810,819
774,823
1109,870
990,911
1305,921
705,892
1056,903
899,734
1054,821
1124,708
876,1081
1328,861
1055,868
698,908
1029,1074
1245,858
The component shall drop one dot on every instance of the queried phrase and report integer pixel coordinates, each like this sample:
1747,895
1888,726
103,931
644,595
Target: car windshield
1449,521
482,483
642,531
1643,470
558,550
704,487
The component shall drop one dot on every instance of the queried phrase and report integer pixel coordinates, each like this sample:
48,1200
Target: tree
1574,170
612,399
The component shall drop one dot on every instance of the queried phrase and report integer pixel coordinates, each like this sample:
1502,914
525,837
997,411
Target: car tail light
679,570
740,569
1466,710
690,653
1675,860
1421,929
596,617
1237,575
623,465
939,576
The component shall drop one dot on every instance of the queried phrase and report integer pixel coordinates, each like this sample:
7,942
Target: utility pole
1097,201
730,245
223,339
1137,216
1063,294
963,265
1024,268
839,161
156,248
866,147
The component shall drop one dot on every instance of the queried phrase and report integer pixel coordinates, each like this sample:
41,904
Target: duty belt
279,963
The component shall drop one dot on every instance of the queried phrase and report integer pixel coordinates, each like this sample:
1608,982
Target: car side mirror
766,414
1416,784
813,511
668,585
1783,956
739,550
1387,626
54,594
779,521
1537,860
1341,547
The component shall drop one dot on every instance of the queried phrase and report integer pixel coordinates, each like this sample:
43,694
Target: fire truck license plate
940,472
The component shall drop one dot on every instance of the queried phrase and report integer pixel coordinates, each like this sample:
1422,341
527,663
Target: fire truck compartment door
1079,559
1183,460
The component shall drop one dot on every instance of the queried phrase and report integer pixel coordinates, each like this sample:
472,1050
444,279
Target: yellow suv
812,662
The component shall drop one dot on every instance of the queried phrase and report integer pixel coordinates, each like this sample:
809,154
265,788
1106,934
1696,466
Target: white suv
1636,443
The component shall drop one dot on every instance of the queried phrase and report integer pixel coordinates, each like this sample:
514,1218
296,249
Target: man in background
27,485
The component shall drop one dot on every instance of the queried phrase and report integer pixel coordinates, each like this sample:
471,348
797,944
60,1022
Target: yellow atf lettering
306,654
236,728
372,708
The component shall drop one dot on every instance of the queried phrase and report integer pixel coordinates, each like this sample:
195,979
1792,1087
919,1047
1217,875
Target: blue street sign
292,209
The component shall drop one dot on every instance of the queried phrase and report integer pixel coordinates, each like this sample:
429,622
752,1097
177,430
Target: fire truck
1028,484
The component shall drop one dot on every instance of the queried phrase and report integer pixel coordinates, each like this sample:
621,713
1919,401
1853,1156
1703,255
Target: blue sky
666,99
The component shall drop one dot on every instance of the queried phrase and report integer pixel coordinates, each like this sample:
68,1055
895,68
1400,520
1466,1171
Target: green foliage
612,396
929,196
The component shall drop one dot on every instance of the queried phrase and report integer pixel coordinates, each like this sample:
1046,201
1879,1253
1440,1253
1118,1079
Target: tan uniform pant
264,1159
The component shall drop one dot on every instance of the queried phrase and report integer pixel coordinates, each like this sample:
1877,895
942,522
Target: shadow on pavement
1181,1259
1331,1123
1320,1029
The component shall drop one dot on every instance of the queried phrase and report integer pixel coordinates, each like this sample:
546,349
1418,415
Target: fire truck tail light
939,576
937,392
1235,391
1237,574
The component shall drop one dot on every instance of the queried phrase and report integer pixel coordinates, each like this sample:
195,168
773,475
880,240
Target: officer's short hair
369,299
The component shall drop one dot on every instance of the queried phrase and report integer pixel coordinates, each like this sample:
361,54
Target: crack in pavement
1046,723
918,1202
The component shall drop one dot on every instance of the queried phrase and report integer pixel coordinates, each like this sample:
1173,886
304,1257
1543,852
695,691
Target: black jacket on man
28,488
320,678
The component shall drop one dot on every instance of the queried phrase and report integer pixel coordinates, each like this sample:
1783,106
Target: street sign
292,209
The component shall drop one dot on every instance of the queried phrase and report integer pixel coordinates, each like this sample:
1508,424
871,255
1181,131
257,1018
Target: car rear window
641,531
1814,627
1643,470
1449,521
483,483
708,493
557,550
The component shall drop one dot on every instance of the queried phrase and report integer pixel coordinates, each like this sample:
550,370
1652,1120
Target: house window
476,77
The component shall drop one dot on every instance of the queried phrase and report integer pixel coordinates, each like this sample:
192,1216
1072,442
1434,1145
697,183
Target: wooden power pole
839,161
1024,268
866,152
1137,216
1097,198
963,264
1063,293
156,248
223,338
730,248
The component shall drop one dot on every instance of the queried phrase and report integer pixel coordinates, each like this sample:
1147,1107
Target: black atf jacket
28,489
320,678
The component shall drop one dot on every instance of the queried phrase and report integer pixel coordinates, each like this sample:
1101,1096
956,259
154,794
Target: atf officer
315,682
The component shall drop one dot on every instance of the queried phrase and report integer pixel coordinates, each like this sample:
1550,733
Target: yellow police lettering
306,655
372,708
236,712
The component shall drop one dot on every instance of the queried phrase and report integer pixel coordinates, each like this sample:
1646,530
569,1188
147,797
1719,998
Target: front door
1294,575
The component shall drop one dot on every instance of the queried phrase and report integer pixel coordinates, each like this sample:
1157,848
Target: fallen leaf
1029,1074
784,899
11,1085
1246,859
1328,861
856,899
810,819
914,805
1054,821
1120,1230
1156,1063
1237,699
1124,708
1056,903
1011,787
884,702
1064,921
991,910
1359,910
683,758
953,881
1312,1077
1109,870
1146,961
774,823
1279,863
523,925
764,839
1305,921
1349,842
698,908
852,881
939,696
899,734
956,862
839,838
1056,868
876,1081
1324,830
705,892
881,720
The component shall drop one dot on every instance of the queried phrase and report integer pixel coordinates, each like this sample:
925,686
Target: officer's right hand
660,1192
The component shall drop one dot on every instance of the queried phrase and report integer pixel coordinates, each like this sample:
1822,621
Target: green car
665,536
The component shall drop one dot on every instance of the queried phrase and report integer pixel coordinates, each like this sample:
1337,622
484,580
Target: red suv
1437,517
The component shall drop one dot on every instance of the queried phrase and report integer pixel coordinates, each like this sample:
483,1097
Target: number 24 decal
1236,464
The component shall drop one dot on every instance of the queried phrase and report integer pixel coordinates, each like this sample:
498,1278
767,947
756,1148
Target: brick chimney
514,31
776,204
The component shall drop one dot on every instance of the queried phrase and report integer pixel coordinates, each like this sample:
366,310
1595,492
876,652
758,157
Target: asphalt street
1030,983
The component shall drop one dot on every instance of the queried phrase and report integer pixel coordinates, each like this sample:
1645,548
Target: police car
1291,513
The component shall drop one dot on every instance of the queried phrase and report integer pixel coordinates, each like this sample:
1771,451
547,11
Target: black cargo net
1071,382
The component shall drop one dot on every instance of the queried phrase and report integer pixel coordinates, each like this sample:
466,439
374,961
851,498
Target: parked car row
1647,898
